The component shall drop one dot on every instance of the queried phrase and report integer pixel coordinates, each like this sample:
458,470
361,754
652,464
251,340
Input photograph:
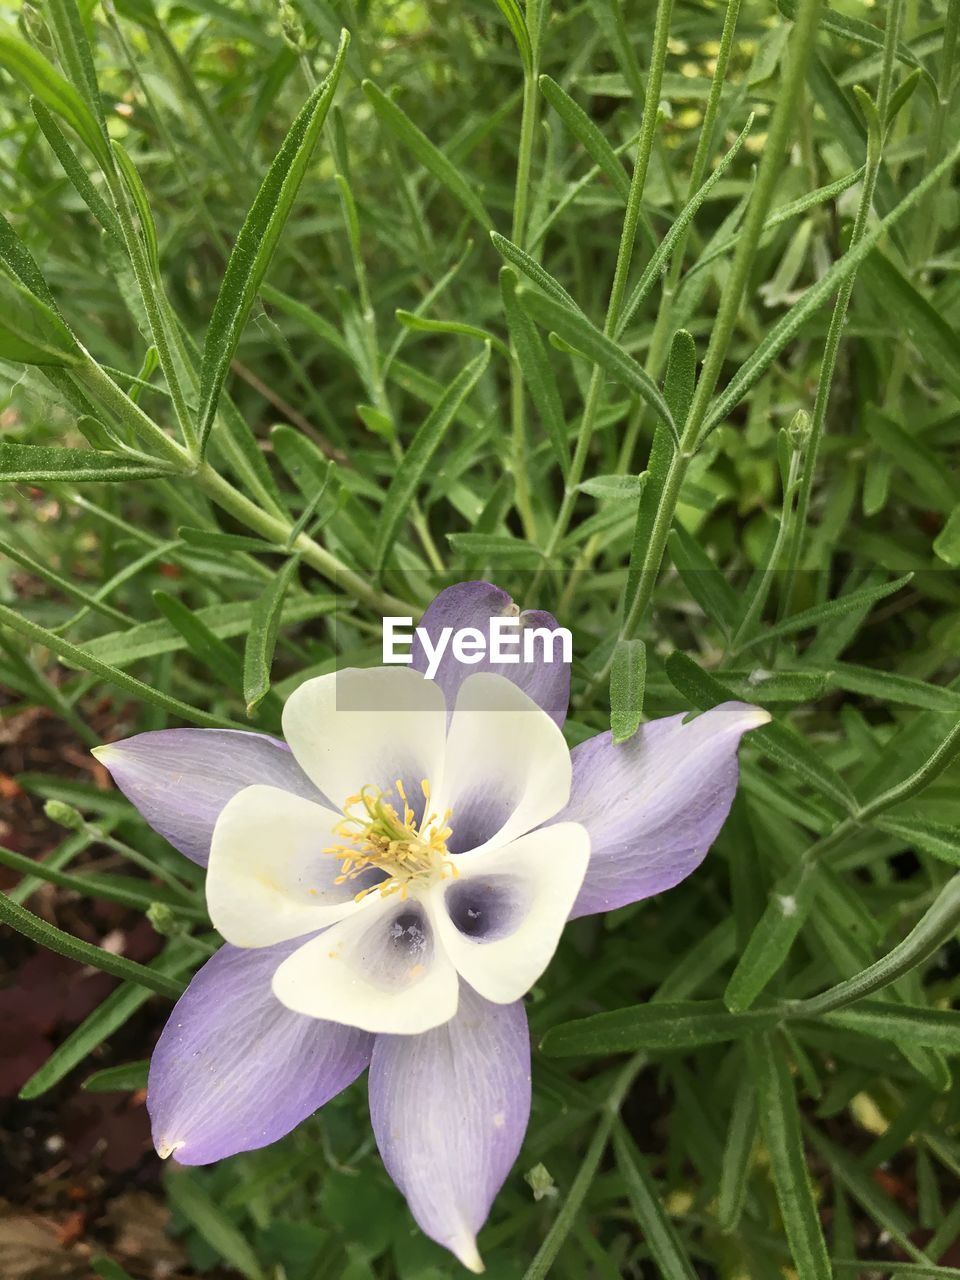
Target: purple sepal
449,1110
180,779
234,1069
653,806
473,604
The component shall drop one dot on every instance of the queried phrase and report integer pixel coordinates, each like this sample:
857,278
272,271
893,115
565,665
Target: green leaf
889,687
188,1196
108,1270
257,241
815,297
537,370
702,578
627,678
659,1234
581,333
947,543
33,70
75,656
780,1124
515,21
64,944
425,153
215,654
411,470
655,268
123,1079
497,549
935,928
150,639
134,185
126,890
821,613
616,487
769,944
31,332
685,1024
532,270
262,638
39,464
942,842
588,135
921,464
76,172
930,1028
737,1153
424,324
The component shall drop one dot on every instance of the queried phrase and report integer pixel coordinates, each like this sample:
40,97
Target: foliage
650,315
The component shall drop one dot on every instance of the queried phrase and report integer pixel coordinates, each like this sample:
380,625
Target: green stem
521,201
621,274
839,316
276,530
781,126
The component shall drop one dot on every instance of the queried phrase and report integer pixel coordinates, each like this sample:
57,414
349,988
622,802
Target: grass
649,314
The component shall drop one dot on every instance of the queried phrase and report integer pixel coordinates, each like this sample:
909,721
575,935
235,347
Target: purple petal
449,1111
180,779
473,604
234,1070
654,805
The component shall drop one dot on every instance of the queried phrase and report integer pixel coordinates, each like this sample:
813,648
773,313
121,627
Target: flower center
377,836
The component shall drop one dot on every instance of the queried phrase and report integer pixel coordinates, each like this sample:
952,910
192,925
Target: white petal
501,920
507,766
355,728
269,878
380,970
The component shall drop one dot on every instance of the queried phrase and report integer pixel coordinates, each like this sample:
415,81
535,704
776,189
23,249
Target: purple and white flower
390,881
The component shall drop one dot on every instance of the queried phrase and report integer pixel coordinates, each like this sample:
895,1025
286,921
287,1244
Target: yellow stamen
379,838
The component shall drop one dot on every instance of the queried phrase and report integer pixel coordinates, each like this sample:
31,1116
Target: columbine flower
390,882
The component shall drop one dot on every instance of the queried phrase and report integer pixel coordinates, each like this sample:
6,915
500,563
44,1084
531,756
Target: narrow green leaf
75,656
921,464
262,638
498,549
737,1152
587,134
627,678
537,370
659,1026
216,655
947,543
821,613
424,324
411,470
654,269
815,297
123,1079
935,928
425,153
257,241
702,578
209,1220
780,1123
516,22
659,1234
64,944
930,1028
942,842
581,333
769,945
38,463
32,69
532,270
134,185
75,171
889,687
31,331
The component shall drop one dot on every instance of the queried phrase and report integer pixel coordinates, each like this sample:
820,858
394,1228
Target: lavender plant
648,317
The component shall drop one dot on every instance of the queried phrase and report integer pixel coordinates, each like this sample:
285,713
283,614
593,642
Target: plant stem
621,274
839,316
781,126
535,17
